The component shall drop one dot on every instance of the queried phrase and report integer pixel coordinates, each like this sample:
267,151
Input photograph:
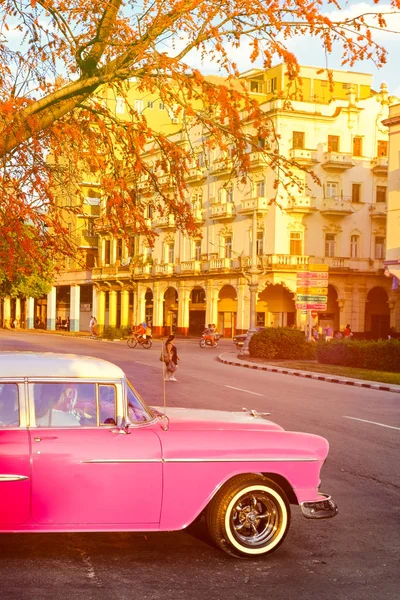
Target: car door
15,480
88,473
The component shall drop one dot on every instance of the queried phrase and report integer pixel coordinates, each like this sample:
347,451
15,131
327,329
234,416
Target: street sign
318,267
311,306
312,275
311,298
312,283
319,291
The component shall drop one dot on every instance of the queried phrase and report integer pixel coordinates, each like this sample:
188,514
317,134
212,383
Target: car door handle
45,437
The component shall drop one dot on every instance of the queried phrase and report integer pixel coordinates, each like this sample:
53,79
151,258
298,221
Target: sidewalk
231,358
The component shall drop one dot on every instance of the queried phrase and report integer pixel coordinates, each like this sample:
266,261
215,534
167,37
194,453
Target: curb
310,375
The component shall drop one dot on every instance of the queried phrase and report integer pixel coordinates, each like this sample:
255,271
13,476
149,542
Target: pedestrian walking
328,333
171,359
93,325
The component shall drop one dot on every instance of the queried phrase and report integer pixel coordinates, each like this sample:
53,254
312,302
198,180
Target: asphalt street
355,556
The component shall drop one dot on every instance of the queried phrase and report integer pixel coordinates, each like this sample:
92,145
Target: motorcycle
207,342
144,342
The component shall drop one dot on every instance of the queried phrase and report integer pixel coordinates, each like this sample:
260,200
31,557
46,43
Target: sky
309,52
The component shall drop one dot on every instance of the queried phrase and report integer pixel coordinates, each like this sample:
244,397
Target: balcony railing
378,210
258,159
379,166
303,156
301,205
258,204
223,210
220,264
190,266
336,206
164,269
222,166
287,261
337,161
165,221
142,270
196,174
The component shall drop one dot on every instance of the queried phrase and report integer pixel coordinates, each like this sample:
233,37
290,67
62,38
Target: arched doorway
197,310
276,307
227,310
377,314
148,307
170,315
332,314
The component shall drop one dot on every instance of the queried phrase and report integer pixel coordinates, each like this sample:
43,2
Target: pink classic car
81,451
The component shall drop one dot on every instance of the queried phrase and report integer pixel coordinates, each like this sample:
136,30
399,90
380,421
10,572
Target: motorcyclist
209,333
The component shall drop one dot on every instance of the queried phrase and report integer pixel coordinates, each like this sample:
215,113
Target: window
161,105
150,104
200,160
331,189
171,253
333,143
356,192
256,86
382,148
73,404
107,252
357,146
149,211
120,105
272,85
229,195
228,247
260,243
296,243
260,189
90,228
354,246
9,405
197,249
118,249
330,243
298,139
149,253
90,260
136,410
138,104
380,247
381,193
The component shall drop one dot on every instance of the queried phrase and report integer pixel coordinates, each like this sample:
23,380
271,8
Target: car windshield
138,412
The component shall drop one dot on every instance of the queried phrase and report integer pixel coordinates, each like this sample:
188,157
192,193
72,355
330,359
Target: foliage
281,343
55,127
115,333
381,355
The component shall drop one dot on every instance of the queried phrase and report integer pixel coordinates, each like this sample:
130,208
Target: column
101,251
51,309
124,308
7,312
240,322
18,311
183,311
75,307
94,301
101,309
112,308
113,252
139,313
30,313
214,307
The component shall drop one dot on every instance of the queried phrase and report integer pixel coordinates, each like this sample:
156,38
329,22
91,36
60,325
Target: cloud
361,8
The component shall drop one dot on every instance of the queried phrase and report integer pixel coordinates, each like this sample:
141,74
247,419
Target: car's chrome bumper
325,508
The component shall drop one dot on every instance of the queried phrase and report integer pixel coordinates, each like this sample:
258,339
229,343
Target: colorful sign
318,268
311,306
319,291
312,288
311,298
311,275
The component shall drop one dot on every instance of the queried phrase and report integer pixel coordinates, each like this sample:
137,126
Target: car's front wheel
249,516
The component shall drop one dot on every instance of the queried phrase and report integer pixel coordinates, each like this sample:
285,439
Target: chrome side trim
195,460
13,477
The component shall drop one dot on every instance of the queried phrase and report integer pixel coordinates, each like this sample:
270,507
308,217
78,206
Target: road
355,556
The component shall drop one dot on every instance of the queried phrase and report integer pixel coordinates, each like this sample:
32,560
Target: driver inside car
47,407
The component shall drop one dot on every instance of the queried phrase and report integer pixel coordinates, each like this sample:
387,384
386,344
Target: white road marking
240,390
373,423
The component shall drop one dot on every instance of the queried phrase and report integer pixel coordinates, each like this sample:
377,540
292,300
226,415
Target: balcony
337,161
165,222
258,204
222,166
301,205
379,166
164,269
87,241
378,211
190,266
282,261
142,270
258,159
198,215
220,264
336,206
223,211
196,174
303,156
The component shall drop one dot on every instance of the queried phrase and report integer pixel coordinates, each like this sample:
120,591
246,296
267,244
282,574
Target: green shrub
381,355
281,343
115,333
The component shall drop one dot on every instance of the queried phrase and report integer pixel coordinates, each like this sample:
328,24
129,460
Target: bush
381,355
115,333
281,343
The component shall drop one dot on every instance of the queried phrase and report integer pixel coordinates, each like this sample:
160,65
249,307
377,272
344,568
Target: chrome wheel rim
256,519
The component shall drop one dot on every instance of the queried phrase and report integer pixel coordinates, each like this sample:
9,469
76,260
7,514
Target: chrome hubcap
255,519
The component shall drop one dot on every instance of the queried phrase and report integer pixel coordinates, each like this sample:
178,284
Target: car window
9,405
107,405
137,410
65,404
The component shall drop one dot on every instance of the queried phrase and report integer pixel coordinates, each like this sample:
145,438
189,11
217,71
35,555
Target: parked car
81,451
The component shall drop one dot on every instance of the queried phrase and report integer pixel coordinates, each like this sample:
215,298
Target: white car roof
49,364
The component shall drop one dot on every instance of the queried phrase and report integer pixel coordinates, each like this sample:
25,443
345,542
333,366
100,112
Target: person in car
50,411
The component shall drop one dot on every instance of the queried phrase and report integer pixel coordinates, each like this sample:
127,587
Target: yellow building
341,136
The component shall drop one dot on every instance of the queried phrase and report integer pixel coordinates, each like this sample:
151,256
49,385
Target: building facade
263,230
